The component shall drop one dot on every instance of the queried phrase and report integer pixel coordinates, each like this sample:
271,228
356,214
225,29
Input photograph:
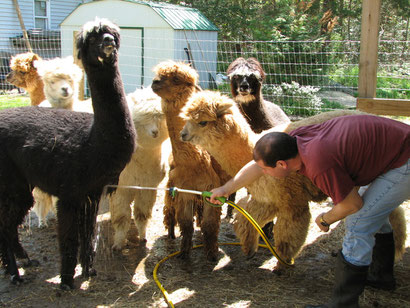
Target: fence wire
304,77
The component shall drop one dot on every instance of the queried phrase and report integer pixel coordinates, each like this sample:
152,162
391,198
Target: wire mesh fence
304,77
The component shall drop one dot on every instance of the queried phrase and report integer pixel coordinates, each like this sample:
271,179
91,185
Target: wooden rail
369,41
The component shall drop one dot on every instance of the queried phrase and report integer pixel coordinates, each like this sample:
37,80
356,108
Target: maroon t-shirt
351,151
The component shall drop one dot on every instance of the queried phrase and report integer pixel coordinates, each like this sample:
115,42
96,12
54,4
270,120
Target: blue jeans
382,196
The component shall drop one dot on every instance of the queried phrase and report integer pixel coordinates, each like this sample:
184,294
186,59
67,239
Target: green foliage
295,99
11,101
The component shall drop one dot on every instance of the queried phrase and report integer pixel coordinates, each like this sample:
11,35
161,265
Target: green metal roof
180,17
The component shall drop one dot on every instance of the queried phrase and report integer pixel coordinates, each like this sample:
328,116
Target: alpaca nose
183,135
108,40
65,91
108,43
154,133
244,85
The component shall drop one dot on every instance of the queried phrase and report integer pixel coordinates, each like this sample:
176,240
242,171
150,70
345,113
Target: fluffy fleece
246,80
24,75
191,167
61,78
147,167
67,154
215,123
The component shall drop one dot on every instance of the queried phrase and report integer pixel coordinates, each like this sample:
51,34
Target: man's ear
282,163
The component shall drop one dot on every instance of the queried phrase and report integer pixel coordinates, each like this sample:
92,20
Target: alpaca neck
172,109
234,151
66,103
107,96
254,113
36,92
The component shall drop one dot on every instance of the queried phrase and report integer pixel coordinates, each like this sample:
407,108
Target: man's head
275,153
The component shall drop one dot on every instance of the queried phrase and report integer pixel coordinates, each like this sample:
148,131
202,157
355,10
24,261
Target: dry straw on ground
125,280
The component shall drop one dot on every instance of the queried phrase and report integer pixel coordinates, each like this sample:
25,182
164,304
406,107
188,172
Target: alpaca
191,167
146,168
61,78
246,79
215,123
24,75
68,154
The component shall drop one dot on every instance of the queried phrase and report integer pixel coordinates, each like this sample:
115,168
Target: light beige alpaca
191,167
146,168
215,123
61,78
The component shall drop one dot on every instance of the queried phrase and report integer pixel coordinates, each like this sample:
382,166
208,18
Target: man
339,156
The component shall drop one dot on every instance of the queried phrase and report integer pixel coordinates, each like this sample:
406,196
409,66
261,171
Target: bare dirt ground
126,279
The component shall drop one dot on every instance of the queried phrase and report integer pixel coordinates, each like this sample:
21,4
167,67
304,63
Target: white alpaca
146,168
61,78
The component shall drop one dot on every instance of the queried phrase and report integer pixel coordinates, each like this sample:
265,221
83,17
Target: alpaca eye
203,123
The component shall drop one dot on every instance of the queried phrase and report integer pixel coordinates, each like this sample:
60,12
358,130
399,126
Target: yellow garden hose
205,194
252,221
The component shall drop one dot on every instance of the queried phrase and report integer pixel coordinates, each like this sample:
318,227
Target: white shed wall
203,46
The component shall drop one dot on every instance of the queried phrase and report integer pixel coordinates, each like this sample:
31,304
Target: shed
151,32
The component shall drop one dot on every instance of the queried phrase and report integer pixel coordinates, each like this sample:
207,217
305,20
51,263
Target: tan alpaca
24,75
215,123
191,167
147,167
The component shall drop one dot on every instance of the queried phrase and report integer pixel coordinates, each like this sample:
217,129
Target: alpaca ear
39,66
80,44
224,108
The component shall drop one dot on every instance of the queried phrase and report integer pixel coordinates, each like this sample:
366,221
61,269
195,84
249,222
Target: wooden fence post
23,28
369,41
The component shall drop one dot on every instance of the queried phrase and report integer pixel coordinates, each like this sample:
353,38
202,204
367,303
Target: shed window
41,14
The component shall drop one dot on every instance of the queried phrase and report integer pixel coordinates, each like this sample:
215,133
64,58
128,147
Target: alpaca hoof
171,234
212,257
116,248
32,263
250,254
92,272
66,286
183,255
16,280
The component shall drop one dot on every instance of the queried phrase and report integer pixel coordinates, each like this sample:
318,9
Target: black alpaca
246,79
67,154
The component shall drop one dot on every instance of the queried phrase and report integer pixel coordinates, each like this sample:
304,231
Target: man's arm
249,173
351,204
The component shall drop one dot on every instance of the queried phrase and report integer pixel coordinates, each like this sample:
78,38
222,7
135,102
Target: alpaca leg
120,201
87,220
185,208
13,212
67,215
398,222
248,235
143,203
169,213
210,230
43,204
290,231
230,208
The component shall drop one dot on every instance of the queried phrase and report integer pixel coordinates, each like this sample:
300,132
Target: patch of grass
12,101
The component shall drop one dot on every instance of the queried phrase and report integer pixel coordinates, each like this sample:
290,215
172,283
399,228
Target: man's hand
319,221
218,192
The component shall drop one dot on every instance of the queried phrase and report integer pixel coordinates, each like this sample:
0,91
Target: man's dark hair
275,146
